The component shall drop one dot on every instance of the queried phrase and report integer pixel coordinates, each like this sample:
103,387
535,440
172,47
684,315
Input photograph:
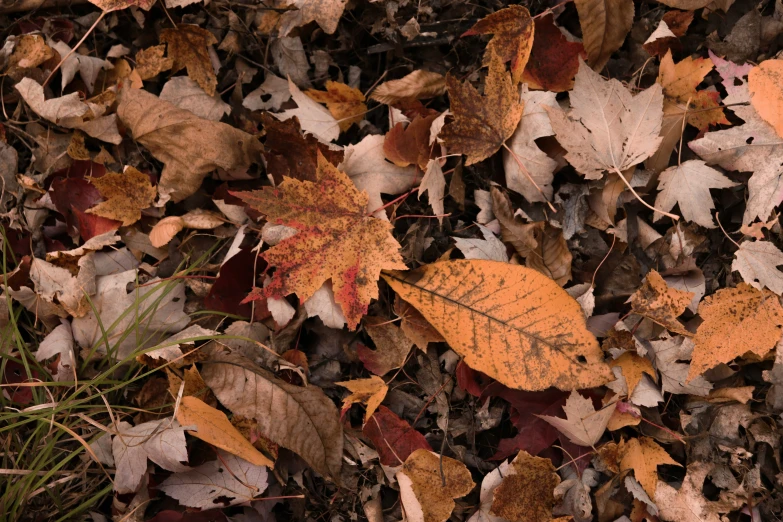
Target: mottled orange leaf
127,194
633,367
660,303
188,47
410,145
482,123
510,322
369,392
643,456
150,62
345,103
116,5
554,60
527,491
337,239
736,321
423,495
513,31
765,82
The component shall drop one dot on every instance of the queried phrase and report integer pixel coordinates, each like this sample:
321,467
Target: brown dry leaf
661,303
736,321
326,13
126,194
510,322
336,240
415,326
765,82
688,503
583,425
757,263
30,50
116,5
345,103
512,40
213,427
189,146
643,456
392,346
554,61
524,237
633,367
192,384
165,230
482,123
551,256
188,47
605,24
416,85
150,62
302,419
423,495
410,145
527,490
370,392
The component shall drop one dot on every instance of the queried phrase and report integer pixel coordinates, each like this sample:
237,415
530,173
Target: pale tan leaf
323,305
274,87
688,185
165,230
434,184
605,23
313,117
59,342
489,248
688,503
418,84
187,94
88,67
326,13
201,219
669,354
757,263
583,425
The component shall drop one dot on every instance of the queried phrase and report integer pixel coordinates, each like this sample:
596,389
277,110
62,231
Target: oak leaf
527,489
736,321
394,439
554,61
643,456
126,194
213,427
423,495
583,425
416,85
660,303
512,40
189,146
764,83
370,392
688,185
605,24
482,124
336,240
302,419
345,103
188,47
510,322
608,128
757,263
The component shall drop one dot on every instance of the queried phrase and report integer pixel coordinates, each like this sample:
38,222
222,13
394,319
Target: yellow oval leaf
213,427
510,322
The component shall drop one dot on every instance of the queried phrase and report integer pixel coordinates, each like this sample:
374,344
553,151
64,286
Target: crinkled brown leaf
605,23
527,491
423,495
150,62
126,194
660,303
410,145
188,47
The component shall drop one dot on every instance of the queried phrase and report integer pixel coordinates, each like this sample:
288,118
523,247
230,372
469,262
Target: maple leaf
370,391
583,425
423,496
489,248
88,67
643,456
757,263
512,40
336,240
688,503
150,62
188,48
764,83
345,103
326,13
186,94
127,194
688,185
660,303
313,117
605,23
633,367
554,61
736,321
482,124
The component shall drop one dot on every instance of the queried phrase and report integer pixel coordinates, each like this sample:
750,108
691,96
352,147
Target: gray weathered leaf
757,263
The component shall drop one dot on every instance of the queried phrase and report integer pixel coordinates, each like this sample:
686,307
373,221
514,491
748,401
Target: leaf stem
637,196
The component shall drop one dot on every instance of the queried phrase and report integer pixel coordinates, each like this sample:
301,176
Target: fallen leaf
226,481
583,425
524,237
688,503
766,91
490,248
313,117
59,342
187,46
370,392
429,483
605,24
30,50
302,419
661,304
688,185
506,321
345,103
757,263
679,82
326,13
392,346
434,184
489,484
322,304
736,321
116,5
150,62
527,489
189,146
410,145
633,367
554,61
551,256
669,354
482,124
186,94
126,194
643,456
169,350
213,427
334,234
512,40
414,326
394,439
416,85
88,67
270,95
608,128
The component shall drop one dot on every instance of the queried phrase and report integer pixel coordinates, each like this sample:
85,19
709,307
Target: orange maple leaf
482,124
345,103
337,239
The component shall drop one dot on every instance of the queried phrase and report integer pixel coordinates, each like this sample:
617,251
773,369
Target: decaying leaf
643,456
423,495
393,438
345,103
188,48
482,124
660,303
506,321
414,326
150,62
527,489
688,503
302,419
583,425
554,61
669,354
737,321
126,194
418,84
332,242
392,346
370,392
605,23
326,13
757,263
688,185
633,367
